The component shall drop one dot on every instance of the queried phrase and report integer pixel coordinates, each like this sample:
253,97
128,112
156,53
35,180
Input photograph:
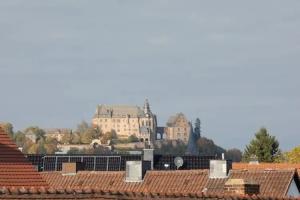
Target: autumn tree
39,133
20,138
264,146
66,138
293,156
108,136
82,127
50,145
8,128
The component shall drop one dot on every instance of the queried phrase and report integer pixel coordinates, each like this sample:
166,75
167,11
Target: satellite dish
178,161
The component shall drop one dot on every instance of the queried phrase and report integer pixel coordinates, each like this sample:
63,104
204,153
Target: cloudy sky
234,64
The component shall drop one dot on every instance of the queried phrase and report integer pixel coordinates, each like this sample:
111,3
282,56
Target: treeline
262,148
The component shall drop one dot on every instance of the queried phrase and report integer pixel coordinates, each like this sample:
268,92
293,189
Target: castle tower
147,110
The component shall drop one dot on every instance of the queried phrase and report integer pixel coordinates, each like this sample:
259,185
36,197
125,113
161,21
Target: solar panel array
115,162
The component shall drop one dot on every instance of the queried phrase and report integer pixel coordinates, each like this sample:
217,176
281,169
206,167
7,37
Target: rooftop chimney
218,168
148,156
136,170
70,168
241,187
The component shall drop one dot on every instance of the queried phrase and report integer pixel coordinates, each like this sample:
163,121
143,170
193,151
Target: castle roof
118,111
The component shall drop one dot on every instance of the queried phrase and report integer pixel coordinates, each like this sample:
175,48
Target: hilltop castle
126,120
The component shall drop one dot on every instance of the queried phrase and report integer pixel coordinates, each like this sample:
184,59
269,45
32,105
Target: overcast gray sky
234,64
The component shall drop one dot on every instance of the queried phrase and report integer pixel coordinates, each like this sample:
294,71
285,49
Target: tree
66,138
82,127
86,138
74,150
75,139
133,138
233,154
40,133
197,129
108,136
20,139
166,147
264,146
50,145
293,156
208,147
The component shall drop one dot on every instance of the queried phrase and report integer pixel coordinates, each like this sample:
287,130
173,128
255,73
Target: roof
272,182
15,170
266,166
88,193
118,111
173,119
188,181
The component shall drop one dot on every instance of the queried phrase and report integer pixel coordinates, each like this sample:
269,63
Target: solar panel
115,162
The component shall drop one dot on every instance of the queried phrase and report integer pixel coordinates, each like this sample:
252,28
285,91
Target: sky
233,64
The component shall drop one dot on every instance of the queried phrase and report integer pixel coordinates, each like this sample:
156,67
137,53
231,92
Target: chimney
136,170
71,168
149,156
241,187
219,168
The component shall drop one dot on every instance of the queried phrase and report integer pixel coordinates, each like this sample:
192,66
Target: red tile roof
266,166
88,193
188,181
272,182
185,181
15,170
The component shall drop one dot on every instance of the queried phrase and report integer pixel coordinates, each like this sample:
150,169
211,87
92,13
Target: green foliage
109,136
89,134
97,150
264,146
233,154
75,151
170,147
133,138
208,147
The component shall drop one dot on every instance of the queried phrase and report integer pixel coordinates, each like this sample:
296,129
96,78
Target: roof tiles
272,183
15,170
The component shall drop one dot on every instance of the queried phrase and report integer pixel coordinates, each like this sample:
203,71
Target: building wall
293,190
124,127
141,124
179,129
